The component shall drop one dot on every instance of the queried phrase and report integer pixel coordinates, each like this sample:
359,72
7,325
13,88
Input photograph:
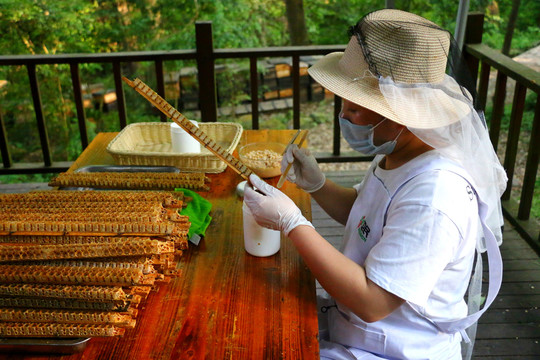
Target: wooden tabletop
225,304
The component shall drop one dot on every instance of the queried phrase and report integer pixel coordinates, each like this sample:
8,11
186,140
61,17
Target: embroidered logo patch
363,229
470,192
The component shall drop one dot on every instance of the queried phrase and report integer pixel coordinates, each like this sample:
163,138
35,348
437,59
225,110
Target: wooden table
226,304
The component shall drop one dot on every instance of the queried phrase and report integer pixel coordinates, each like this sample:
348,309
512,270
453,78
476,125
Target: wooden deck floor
510,329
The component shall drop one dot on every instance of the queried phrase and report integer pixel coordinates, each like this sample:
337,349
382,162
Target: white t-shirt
414,230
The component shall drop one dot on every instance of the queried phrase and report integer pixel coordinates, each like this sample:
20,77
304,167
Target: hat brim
365,91
362,91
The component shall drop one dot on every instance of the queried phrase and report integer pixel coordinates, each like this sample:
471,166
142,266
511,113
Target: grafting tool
284,175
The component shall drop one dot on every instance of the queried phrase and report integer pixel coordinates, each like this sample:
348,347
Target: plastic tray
42,345
119,168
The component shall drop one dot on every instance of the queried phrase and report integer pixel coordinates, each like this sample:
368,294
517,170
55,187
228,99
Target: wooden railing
478,56
205,56
481,57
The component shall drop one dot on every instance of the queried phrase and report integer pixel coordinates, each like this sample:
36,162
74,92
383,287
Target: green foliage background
97,26
51,26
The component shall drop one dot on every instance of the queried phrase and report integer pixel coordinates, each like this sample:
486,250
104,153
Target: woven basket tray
150,144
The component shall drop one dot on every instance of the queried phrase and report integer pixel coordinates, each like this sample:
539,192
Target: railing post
79,105
483,86
206,71
336,151
38,110
4,150
531,167
296,91
160,84
120,98
516,117
473,35
498,109
254,86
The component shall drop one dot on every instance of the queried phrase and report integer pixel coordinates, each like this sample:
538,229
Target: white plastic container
259,241
182,142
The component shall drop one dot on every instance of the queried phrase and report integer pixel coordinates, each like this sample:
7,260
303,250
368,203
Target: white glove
305,171
272,209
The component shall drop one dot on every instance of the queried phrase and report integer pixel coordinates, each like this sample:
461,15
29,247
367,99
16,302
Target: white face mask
360,138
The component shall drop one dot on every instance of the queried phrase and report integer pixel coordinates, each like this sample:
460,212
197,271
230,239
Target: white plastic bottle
259,241
182,142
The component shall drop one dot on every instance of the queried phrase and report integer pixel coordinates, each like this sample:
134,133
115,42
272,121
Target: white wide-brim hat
405,49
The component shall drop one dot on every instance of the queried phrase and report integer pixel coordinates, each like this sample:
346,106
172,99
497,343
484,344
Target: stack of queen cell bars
132,180
79,263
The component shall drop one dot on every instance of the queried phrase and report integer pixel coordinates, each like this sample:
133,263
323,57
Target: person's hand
305,171
271,208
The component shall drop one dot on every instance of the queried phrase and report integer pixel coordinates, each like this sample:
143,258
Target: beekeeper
427,208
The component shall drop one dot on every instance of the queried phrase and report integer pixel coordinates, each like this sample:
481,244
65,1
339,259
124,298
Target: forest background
103,26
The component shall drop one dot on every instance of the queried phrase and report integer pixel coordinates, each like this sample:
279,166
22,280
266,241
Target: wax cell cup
259,241
240,188
182,142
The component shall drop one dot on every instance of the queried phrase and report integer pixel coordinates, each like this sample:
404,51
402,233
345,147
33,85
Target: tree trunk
510,28
297,22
